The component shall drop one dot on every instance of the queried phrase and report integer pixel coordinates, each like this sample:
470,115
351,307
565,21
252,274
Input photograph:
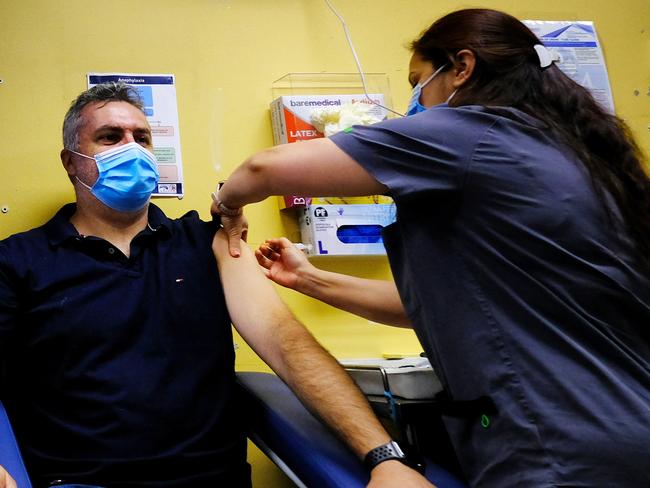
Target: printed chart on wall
580,55
158,93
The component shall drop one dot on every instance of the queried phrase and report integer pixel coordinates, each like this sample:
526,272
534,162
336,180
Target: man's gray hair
104,92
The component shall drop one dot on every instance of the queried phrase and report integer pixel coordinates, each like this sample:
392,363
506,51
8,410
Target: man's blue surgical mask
414,105
128,175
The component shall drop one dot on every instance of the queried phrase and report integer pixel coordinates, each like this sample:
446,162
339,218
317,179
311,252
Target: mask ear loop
435,73
79,154
451,61
89,188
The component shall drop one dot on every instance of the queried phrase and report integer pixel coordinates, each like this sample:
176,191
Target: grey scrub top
533,308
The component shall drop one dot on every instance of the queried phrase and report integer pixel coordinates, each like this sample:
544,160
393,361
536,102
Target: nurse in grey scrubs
520,252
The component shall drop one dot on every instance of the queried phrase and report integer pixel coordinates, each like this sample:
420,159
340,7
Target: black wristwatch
392,450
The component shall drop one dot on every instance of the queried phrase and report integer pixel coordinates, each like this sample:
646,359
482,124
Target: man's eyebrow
108,127
117,128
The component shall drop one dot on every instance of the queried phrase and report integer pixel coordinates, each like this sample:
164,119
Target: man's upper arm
254,306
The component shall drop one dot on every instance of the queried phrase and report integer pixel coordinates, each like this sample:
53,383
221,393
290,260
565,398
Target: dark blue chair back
10,457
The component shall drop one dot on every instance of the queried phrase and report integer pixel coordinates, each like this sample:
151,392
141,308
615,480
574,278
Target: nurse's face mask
128,175
414,104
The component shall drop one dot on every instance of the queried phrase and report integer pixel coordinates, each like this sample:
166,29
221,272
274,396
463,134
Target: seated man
115,338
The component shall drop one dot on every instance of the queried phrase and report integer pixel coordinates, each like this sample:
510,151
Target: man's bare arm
323,386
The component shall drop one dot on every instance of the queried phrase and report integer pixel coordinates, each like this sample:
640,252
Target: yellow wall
225,55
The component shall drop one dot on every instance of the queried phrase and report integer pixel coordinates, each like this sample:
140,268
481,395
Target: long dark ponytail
507,73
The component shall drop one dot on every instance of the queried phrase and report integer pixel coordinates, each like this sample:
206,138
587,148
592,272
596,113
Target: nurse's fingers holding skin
267,253
264,257
284,262
270,251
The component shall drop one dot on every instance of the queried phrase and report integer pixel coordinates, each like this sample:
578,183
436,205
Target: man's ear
464,64
66,160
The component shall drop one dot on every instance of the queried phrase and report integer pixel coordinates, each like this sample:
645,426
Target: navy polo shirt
120,371
533,308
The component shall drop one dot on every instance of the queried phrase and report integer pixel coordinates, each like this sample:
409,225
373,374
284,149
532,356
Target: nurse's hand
234,223
6,481
393,474
283,262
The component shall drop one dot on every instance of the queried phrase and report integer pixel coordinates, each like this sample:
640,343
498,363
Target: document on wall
158,94
580,54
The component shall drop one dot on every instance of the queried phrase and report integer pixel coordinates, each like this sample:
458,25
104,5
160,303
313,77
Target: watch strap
391,450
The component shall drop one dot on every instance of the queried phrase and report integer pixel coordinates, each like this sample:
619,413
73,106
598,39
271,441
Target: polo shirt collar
59,229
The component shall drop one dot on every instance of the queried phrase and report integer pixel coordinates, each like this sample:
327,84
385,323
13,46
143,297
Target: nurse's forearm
251,182
375,300
313,168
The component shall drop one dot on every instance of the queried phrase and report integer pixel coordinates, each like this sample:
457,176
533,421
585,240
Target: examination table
303,448
307,452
